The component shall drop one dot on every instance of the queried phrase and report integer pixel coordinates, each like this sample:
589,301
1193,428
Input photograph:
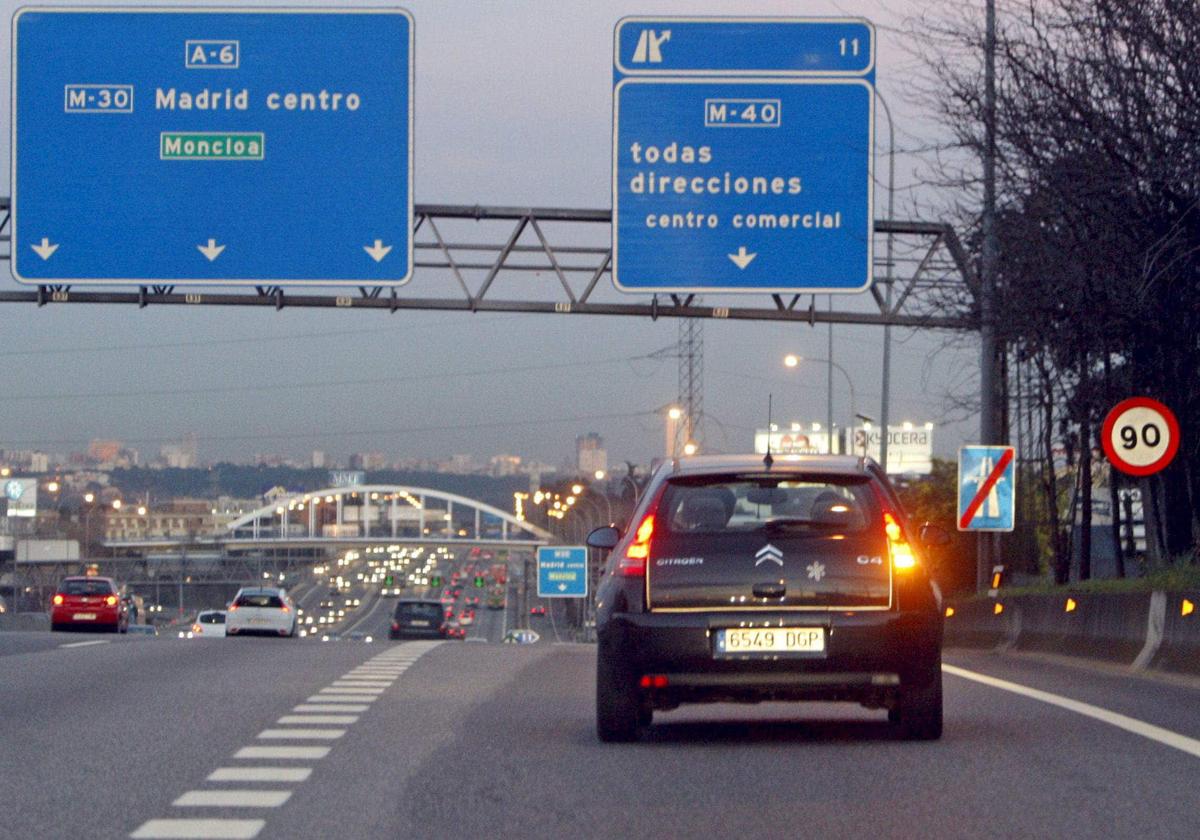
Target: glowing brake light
633,564
903,559
111,600
58,599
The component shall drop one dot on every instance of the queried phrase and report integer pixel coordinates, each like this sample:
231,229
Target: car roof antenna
767,459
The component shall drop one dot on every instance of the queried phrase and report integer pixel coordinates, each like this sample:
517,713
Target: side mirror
934,536
605,538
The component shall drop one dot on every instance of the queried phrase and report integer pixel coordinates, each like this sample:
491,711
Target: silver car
265,610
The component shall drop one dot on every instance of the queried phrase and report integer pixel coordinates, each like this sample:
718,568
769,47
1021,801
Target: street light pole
791,360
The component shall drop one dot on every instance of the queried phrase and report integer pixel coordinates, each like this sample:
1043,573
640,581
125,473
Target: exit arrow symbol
46,249
562,587
742,259
379,251
212,250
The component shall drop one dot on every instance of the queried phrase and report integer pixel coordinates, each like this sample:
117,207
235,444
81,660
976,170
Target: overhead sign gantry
742,154
200,146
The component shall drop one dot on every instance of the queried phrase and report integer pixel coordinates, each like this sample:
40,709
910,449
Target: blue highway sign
562,571
212,146
987,481
743,155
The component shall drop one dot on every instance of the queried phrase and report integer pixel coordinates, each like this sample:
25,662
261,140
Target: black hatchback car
744,578
417,619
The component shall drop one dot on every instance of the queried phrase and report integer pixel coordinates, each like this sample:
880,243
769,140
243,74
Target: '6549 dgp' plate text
742,640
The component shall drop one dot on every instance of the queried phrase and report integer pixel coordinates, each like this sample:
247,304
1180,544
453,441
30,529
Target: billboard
21,494
910,447
795,440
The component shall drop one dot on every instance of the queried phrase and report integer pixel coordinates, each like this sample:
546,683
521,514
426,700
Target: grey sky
513,107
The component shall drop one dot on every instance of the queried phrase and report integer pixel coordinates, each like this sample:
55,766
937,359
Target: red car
88,602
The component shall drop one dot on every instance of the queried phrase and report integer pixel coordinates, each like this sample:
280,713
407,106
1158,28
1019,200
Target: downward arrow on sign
379,251
212,250
562,587
742,259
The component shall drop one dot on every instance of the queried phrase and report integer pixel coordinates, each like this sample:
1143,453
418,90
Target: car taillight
58,599
233,607
285,608
111,600
903,559
196,628
633,564
395,625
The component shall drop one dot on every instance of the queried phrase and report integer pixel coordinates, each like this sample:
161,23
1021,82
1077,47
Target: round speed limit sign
1140,436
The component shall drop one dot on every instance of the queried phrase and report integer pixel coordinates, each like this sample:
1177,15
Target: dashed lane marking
260,774
333,698
85,644
302,734
317,719
1191,746
233,799
199,830
282,752
335,704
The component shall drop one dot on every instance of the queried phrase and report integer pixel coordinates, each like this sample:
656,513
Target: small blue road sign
562,571
987,479
743,155
212,146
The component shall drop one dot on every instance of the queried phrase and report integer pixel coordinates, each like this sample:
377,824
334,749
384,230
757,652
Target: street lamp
791,360
89,499
674,415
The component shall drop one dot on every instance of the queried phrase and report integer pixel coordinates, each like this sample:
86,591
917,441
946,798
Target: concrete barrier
1180,647
1143,629
24,622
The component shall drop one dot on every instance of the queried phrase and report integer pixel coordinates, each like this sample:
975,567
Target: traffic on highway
695,419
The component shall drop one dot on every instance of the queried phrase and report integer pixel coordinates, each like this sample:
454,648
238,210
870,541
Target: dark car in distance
745,579
417,618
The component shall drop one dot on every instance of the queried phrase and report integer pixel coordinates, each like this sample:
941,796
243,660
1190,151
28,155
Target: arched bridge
370,513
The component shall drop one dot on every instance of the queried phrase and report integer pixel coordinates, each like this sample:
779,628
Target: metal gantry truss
502,259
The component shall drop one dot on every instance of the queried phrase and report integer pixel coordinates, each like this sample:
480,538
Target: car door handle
769,590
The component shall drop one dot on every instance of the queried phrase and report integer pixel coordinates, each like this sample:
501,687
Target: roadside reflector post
1187,607
998,608
1071,605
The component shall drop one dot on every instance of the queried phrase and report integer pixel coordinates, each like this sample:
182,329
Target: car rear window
212,618
429,612
259,600
86,587
744,504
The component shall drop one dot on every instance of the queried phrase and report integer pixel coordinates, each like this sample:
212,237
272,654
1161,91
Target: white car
209,624
261,609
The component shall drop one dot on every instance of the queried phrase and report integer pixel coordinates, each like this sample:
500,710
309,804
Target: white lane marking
360,690
372,675
199,829
356,685
343,719
260,774
232,799
302,734
1191,746
334,698
309,708
282,752
85,644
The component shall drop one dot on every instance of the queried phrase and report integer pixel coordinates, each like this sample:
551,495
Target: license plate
419,623
733,641
84,616
258,621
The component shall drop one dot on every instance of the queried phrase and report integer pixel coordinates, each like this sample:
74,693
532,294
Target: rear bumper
868,655
104,615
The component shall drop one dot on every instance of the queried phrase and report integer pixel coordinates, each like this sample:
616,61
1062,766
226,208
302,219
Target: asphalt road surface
162,737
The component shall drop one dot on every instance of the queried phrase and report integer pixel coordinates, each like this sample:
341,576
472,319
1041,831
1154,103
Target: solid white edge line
85,644
1191,746
232,799
210,829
